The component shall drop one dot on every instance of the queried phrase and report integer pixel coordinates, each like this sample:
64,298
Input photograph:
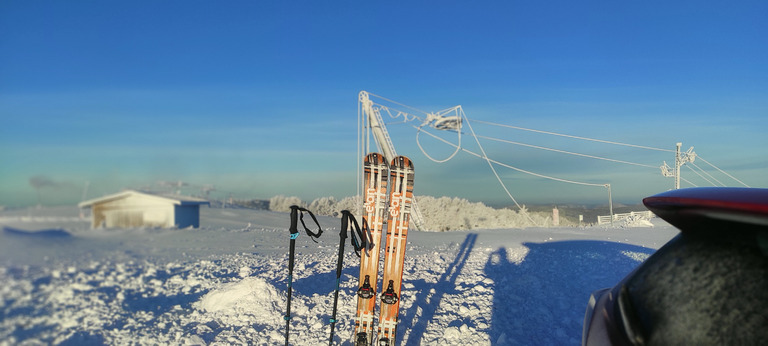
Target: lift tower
681,158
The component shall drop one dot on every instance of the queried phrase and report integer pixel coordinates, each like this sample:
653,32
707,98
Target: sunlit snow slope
225,283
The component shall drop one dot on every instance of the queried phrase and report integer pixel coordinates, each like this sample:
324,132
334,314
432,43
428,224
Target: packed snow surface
226,282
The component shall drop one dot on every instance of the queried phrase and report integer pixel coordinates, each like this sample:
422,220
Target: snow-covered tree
440,213
283,203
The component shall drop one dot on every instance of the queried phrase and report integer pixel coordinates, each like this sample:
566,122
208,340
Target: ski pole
360,241
294,234
294,230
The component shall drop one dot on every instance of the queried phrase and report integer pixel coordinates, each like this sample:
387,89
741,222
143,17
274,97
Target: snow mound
237,302
446,214
636,221
439,213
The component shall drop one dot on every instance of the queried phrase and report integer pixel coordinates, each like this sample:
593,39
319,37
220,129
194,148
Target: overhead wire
398,103
571,136
418,143
709,175
488,160
566,152
722,171
491,162
509,194
687,181
700,175
715,183
513,167
483,155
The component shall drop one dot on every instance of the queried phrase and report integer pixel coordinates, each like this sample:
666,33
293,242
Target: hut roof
175,199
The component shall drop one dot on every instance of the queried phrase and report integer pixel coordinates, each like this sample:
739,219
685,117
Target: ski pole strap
360,238
297,214
367,241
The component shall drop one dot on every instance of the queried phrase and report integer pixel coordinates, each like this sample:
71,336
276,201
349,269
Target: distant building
131,208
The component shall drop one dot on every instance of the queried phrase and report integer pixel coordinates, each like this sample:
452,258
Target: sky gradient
260,98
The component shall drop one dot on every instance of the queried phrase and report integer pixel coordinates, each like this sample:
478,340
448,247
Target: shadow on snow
445,285
542,300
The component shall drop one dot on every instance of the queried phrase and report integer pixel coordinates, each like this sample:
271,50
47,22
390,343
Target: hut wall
187,215
133,211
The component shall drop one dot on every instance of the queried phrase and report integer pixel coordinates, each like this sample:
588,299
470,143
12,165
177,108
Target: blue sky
260,98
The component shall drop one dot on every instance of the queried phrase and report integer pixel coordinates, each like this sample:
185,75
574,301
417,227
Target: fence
618,217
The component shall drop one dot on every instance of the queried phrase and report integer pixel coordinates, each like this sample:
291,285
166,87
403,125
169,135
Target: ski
375,171
400,201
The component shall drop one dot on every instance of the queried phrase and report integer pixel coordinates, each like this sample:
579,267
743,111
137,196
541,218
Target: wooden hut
130,209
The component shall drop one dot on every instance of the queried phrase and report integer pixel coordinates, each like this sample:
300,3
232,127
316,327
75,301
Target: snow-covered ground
225,283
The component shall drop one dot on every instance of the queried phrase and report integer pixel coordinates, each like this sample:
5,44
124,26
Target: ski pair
377,176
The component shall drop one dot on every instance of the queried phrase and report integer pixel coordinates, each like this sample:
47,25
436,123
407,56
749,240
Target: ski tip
402,161
374,158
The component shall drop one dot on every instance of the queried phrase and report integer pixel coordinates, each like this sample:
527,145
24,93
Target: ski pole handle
294,227
344,224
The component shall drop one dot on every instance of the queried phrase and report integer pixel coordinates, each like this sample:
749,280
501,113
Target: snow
225,283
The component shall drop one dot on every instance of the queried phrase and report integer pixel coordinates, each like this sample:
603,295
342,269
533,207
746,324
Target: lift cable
709,175
602,158
702,176
571,136
484,157
686,180
428,118
721,171
399,104
567,152
490,165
